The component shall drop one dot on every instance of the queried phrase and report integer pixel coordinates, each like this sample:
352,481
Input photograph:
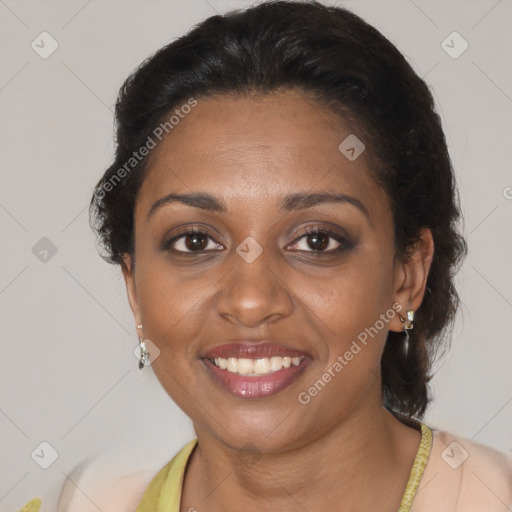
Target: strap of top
32,506
417,469
163,494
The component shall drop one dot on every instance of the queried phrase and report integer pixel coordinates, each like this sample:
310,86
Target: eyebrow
292,202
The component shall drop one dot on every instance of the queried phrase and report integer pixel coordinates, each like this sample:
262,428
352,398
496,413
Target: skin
344,447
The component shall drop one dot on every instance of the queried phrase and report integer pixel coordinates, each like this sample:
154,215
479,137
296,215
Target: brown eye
193,240
320,240
197,241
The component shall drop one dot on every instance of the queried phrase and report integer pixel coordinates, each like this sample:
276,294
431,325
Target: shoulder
100,484
103,483
463,475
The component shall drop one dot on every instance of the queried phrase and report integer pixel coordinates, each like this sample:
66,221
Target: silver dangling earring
144,354
407,327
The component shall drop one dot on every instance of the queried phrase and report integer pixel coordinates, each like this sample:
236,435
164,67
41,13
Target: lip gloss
244,386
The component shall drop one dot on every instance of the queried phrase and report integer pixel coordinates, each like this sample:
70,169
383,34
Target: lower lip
255,387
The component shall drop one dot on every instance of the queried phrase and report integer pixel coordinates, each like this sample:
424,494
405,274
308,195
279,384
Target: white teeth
276,363
232,364
255,367
245,366
262,366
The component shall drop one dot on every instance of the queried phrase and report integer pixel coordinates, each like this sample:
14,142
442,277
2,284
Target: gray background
69,376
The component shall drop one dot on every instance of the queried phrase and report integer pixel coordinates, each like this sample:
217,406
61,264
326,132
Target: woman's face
256,278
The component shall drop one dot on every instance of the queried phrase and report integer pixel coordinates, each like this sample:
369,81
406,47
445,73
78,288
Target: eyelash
320,230
311,230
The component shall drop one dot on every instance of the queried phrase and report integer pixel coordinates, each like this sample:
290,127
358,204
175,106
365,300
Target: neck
363,463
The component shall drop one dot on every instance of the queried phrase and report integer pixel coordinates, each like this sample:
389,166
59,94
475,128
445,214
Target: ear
129,279
411,277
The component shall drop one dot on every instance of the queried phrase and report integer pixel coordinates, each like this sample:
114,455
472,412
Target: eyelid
186,231
319,228
343,240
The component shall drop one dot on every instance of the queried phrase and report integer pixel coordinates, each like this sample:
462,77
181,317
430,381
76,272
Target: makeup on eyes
337,239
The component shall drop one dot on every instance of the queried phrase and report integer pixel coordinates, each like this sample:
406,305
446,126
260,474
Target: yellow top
163,494
32,506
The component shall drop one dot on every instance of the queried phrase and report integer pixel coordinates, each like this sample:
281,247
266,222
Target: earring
410,317
407,327
144,354
139,326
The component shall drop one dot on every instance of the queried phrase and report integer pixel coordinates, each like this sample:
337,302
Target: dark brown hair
344,63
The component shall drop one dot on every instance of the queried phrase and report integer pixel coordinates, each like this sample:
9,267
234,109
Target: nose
254,293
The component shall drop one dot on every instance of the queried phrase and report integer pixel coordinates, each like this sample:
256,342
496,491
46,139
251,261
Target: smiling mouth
256,367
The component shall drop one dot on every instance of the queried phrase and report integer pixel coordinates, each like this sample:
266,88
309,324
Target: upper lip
251,350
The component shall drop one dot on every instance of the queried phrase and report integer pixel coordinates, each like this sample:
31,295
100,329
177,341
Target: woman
284,211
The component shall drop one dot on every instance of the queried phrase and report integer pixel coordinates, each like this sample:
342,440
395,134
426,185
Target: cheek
171,307
353,296
171,310
353,334
352,311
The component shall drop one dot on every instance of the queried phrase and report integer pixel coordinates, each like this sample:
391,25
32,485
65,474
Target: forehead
255,150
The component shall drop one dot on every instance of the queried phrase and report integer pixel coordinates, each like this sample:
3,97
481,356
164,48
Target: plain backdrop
69,377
